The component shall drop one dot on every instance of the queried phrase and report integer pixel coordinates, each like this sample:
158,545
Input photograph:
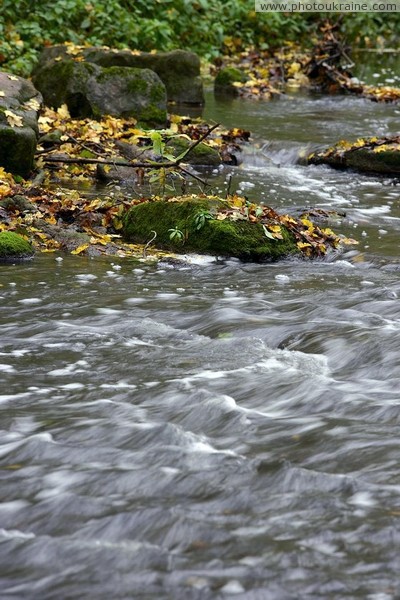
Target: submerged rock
92,91
20,102
14,247
191,224
371,155
179,70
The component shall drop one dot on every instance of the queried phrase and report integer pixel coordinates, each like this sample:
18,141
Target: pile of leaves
344,147
325,67
268,75
75,147
312,241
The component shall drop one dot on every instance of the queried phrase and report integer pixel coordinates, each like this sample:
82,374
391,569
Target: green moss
385,161
200,155
157,93
14,247
228,75
152,116
225,79
240,239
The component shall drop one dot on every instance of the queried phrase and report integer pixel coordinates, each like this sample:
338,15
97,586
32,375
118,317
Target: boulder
371,155
92,91
225,80
179,70
14,247
20,102
191,225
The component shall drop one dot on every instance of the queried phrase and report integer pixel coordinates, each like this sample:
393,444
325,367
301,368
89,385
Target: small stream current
215,430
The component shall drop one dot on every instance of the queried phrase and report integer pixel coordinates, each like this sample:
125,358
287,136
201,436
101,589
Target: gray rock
179,70
20,102
92,91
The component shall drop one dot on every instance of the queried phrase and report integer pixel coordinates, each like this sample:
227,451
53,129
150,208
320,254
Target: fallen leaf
13,119
80,249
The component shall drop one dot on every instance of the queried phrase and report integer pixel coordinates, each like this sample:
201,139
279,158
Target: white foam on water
86,277
6,368
31,301
233,587
290,361
16,534
364,499
72,386
70,369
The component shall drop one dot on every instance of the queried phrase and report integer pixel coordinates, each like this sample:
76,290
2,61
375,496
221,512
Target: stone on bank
14,247
92,91
19,107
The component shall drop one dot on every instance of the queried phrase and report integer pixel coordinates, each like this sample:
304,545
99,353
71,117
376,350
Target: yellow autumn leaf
294,68
80,249
236,201
12,77
308,224
32,104
13,119
302,245
381,148
327,231
348,241
63,112
73,50
2,94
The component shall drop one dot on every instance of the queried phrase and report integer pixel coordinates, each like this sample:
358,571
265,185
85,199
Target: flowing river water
213,430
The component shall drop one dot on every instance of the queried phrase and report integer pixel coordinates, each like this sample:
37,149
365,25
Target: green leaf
268,234
158,145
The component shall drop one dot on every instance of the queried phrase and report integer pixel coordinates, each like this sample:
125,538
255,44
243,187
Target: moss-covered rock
177,225
65,82
225,81
179,70
370,155
18,203
202,154
17,149
92,91
19,106
14,247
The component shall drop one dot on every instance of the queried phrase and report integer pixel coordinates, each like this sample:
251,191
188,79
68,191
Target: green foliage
205,26
201,218
176,235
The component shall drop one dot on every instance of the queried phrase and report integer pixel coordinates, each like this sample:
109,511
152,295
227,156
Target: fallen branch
169,164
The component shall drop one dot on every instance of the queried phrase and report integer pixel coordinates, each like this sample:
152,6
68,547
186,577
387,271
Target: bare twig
149,242
196,143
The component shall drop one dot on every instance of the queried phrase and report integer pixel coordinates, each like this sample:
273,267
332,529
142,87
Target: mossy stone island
14,247
191,224
369,155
